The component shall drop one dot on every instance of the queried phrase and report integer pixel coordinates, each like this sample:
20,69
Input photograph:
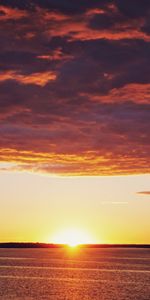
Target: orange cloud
55,55
77,27
146,193
87,164
78,30
94,11
135,92
8,13
51,15
40,79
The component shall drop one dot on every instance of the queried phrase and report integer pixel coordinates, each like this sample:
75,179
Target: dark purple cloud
134,8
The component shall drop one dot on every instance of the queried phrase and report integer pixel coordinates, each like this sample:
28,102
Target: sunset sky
75,120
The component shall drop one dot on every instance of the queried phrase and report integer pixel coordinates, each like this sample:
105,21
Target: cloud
114,203
8,13
138,93
134,9
65,7
74,87
40,79
146,193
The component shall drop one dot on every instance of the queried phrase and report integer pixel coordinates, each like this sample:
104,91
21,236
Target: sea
75,274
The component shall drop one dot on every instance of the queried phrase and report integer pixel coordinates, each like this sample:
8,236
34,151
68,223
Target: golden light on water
72,237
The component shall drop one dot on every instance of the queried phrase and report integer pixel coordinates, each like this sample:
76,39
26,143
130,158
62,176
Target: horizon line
63,245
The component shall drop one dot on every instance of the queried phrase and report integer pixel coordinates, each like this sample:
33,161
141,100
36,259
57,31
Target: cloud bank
75,86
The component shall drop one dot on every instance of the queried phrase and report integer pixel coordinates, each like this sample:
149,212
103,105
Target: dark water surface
81,274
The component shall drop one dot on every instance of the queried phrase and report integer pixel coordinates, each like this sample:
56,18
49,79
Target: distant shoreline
57,246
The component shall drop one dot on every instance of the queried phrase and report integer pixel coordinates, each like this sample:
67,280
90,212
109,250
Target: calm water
84,274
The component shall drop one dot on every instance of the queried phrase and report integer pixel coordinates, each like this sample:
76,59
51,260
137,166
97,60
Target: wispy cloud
146,193
8,13
114,202
35,78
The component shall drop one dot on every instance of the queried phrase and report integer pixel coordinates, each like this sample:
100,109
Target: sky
75,119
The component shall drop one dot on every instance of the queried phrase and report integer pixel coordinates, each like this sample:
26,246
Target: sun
73,244
72,237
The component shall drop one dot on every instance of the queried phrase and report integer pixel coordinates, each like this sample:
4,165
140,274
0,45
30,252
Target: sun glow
72,237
